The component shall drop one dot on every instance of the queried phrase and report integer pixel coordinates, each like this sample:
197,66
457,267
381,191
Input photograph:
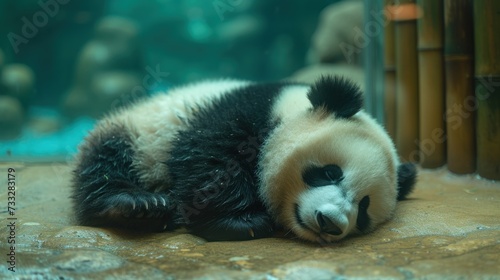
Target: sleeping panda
236,160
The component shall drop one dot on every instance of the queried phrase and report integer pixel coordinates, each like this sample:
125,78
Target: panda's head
330,170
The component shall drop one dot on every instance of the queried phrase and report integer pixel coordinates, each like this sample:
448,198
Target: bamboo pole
458,53
487,72
406,80
389,73
373,58
431,86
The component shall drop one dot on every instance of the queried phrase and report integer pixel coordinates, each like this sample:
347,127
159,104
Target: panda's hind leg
127,208
106,190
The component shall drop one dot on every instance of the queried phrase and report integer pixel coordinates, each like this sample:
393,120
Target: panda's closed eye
322,176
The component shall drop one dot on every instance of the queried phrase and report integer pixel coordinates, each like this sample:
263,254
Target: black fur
106,188
407,177
213,166
338,95
363,220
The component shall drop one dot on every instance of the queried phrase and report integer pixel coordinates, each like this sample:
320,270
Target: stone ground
449,229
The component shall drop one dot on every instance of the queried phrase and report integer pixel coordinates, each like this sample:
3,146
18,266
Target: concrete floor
449,229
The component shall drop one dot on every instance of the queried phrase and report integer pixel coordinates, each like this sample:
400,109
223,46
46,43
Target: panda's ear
337,95
407,177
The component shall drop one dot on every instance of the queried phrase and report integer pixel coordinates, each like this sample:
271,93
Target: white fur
291,101
358,145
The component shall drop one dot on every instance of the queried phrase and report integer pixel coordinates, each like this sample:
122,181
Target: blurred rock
76,103
107,70
104,92
80,237
183,241
95,56
11,117
98,56
336,31
18,81
240,28
86,261
116,30
111,90
311,73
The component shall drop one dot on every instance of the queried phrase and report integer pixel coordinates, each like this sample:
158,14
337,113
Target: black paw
129,209
246,226
407,177
136,205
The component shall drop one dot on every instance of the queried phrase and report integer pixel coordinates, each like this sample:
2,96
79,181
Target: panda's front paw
258,224
245,226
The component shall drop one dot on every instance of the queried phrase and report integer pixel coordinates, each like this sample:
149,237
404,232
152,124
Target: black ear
337,94
407,177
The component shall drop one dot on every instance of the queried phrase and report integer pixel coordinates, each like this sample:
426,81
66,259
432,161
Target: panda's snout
327,225
327,212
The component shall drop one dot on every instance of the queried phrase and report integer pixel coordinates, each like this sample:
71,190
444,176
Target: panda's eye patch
322,176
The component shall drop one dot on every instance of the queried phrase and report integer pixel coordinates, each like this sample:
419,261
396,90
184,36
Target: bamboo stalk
406,81
390,74
487,72
373,58
431,87
458,56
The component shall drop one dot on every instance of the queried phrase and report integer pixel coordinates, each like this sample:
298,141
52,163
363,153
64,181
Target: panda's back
233,113
154,123
229,129
194,144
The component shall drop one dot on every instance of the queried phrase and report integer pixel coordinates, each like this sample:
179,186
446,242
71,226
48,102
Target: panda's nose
327,225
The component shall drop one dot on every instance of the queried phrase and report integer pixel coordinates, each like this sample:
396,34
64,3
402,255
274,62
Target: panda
236,160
